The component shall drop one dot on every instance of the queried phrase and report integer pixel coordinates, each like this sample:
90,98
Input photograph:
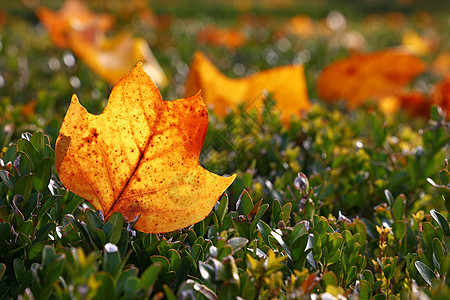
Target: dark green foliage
54,245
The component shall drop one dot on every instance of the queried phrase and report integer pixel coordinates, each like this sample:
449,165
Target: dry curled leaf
363,77
140,156
112,58
286,84
74,15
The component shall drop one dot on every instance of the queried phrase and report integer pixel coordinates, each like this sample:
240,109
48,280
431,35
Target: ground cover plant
339,200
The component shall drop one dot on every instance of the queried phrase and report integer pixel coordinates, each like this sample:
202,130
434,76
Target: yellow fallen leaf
113,57
417,44
363,77
74,15
286,84
140,156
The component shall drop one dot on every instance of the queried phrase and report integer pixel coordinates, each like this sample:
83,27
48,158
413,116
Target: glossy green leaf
440,219
399,229
175,260
43,174
398,208
38,142
24,186
113,228
150,275
26,147
244,203
389,198
426,273
365,290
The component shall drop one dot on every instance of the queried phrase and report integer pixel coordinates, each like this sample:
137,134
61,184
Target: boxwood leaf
43,172
440,219
426,273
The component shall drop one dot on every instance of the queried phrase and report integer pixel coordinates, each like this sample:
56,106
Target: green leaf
43,174
276,210
24,186
48,255
361,228
300,229
165,265
389,198
351,274
113,228
112,260
26,147
368,276
43,232
223,208
54,270
329,278
106,289
399,229
93,219
261,210
169,293
237,243
440,219
2,271
150,275
128,279
280,240
398,208
4,175
175,260
19,269
286,210
365,290
38,142
438,250
428,234
426,273
47,202
244,203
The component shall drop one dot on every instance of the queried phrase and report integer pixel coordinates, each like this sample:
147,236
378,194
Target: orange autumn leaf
286,84
140,156
301,25
74,15
414,103
226,37
420,45
441,95
113,57
363,77
441,64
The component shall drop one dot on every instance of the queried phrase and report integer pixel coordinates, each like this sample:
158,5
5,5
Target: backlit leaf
363,77
140,156
113,57
286,84
74,15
